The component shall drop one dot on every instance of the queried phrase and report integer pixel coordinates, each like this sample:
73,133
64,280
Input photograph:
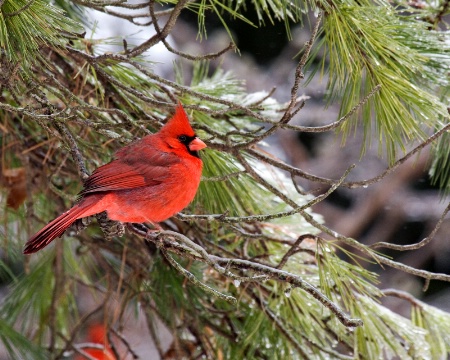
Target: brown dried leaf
14,180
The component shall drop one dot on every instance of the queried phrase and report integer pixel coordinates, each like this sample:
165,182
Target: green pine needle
25,29
367,46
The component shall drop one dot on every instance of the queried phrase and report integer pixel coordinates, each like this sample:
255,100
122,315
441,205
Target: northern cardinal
97,335
148,181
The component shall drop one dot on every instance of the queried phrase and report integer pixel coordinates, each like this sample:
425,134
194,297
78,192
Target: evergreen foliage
248,271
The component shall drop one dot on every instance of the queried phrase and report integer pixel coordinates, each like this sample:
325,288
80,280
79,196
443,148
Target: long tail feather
57,227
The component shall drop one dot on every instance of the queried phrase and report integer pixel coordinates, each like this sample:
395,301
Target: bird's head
179,135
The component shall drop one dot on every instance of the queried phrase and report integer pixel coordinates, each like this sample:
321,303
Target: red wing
131,171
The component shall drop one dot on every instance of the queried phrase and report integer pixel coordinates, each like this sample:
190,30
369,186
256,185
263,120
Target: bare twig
271,272
288,332
79,348
223,177
402,295
76,154
399,162
152,330
419,244
21,10
337,123
378,257
31,114
138,50
69,342
58,269
427,275
294,248
211,56
259,218
243,251
299,69
288,114
202,252
261,236
353,184
95,60
280,326
125,342
188,275
443,10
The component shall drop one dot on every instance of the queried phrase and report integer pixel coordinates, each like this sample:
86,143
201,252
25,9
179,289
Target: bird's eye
182,138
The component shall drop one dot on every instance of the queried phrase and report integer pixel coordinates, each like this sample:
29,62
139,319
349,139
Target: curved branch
179,53
381,259
351,184
240,264
259,218
403,295
138,50
21,10
419,244
290,112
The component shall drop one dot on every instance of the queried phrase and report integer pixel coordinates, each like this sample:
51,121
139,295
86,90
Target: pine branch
251,237
240,264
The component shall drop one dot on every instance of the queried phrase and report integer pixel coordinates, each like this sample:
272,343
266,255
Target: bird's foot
152,234
156,226
109,227
81,224
141,228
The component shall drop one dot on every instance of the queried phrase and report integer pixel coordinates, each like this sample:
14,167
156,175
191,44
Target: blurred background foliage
68,93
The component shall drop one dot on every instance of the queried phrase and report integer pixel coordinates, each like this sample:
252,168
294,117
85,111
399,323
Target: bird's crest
178,124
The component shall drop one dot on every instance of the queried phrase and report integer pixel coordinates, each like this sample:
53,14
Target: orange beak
196,144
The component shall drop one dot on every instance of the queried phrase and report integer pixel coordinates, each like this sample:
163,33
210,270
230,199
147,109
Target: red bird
97,335
148,181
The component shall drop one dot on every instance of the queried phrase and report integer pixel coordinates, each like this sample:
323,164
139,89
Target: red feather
149,181
97,335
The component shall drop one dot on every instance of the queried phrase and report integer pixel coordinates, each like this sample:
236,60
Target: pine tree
248,270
